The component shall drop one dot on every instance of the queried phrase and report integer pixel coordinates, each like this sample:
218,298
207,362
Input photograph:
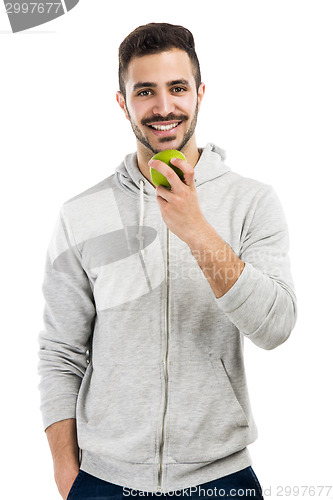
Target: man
149,295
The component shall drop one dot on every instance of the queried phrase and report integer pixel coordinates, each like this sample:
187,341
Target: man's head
160,85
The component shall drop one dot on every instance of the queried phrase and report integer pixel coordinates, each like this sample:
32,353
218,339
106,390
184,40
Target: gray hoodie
137,347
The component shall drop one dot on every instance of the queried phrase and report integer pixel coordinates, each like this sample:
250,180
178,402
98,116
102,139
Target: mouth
164,128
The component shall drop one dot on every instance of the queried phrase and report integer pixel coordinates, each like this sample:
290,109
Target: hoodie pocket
118,410
234,405
206,420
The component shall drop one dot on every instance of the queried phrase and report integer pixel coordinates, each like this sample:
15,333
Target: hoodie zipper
166,375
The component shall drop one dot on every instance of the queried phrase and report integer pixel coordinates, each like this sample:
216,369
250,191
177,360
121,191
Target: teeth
165,127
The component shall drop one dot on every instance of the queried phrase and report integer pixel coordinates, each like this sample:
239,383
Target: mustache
168,118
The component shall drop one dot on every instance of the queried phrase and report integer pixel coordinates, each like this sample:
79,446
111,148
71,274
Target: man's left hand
180,208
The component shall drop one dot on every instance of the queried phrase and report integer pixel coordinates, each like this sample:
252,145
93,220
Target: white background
267,66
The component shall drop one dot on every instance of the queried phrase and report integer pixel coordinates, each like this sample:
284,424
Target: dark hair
153,38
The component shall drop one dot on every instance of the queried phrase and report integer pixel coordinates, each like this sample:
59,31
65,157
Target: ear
201,93
122,103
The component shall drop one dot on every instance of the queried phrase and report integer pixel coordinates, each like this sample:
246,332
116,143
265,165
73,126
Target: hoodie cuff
249,300
240,291
58,408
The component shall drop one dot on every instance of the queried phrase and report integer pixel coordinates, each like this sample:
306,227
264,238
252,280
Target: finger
187,169
164,193
168,173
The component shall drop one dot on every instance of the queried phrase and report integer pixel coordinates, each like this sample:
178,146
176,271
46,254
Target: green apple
166,156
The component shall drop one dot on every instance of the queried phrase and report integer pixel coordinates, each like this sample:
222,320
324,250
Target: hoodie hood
210,165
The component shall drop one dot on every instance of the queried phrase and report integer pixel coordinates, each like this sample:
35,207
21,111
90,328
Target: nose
163,104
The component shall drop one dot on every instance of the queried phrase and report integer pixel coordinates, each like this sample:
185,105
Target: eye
144,93
179,89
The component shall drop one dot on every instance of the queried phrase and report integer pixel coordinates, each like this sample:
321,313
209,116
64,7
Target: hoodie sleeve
262,302
68,320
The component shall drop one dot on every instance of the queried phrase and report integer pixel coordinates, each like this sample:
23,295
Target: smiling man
149,295
161,105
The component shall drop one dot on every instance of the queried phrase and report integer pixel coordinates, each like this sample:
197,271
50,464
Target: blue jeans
243,484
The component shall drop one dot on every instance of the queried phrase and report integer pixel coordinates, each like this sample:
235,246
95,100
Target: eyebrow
140,85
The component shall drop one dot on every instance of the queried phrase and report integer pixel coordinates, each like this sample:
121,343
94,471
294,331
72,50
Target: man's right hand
62,439
65,475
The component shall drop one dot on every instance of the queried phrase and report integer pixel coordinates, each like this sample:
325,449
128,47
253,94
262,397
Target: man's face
162,103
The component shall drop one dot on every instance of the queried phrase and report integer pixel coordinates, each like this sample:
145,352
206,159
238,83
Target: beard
145,141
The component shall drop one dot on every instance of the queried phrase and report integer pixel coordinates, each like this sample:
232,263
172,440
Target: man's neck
192,155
